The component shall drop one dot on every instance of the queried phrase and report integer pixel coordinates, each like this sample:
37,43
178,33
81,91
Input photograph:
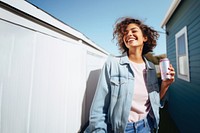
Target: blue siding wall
184,96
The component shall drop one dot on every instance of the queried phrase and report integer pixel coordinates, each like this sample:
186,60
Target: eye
125,33
133,30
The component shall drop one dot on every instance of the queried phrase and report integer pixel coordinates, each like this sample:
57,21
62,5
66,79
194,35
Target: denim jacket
112,100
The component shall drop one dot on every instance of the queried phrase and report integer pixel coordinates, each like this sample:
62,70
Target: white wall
45,78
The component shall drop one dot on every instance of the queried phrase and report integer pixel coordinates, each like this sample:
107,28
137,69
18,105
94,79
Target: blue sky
96,18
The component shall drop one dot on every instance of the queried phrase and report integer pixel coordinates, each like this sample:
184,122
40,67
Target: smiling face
133,36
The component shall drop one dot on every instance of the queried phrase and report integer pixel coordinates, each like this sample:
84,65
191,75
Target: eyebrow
133,28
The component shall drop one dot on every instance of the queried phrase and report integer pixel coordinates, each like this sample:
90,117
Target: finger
171,67
172,73
173,79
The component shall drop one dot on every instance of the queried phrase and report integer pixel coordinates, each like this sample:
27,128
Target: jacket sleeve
159,81
164,100
101,101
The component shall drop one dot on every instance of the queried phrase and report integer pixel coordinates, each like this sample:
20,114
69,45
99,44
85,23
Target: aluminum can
164,65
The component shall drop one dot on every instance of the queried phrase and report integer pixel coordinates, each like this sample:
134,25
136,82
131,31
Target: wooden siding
184,97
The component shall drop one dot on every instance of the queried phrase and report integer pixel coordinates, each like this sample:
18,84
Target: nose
130,33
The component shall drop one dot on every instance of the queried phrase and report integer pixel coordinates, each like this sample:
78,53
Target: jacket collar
125,60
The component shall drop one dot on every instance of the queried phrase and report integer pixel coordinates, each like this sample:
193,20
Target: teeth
131,40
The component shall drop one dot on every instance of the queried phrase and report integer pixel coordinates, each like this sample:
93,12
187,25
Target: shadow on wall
167,125
88,97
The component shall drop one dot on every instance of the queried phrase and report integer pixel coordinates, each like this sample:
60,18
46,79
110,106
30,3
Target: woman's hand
168,82
165,84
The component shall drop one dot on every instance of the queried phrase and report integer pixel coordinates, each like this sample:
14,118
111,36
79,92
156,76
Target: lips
131,39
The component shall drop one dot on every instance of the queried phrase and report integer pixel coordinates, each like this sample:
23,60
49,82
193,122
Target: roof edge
38,14
170,11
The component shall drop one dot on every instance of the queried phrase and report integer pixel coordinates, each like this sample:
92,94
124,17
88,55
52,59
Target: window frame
179,34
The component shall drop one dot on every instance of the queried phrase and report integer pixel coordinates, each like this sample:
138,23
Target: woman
128,96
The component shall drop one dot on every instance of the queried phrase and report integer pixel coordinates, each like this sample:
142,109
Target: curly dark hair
120,30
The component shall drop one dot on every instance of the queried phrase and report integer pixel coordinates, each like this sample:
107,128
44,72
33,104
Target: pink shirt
140,103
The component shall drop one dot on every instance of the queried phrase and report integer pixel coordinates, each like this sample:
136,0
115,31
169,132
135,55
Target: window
182,60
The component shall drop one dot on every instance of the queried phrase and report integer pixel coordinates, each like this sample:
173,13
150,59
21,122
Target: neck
135,56
136,59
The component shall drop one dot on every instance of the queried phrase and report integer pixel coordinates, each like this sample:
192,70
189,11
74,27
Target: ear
145,38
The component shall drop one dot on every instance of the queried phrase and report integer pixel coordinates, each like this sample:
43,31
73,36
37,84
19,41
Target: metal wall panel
44,78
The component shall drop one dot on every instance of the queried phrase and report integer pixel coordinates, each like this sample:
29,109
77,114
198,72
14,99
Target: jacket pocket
116,85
